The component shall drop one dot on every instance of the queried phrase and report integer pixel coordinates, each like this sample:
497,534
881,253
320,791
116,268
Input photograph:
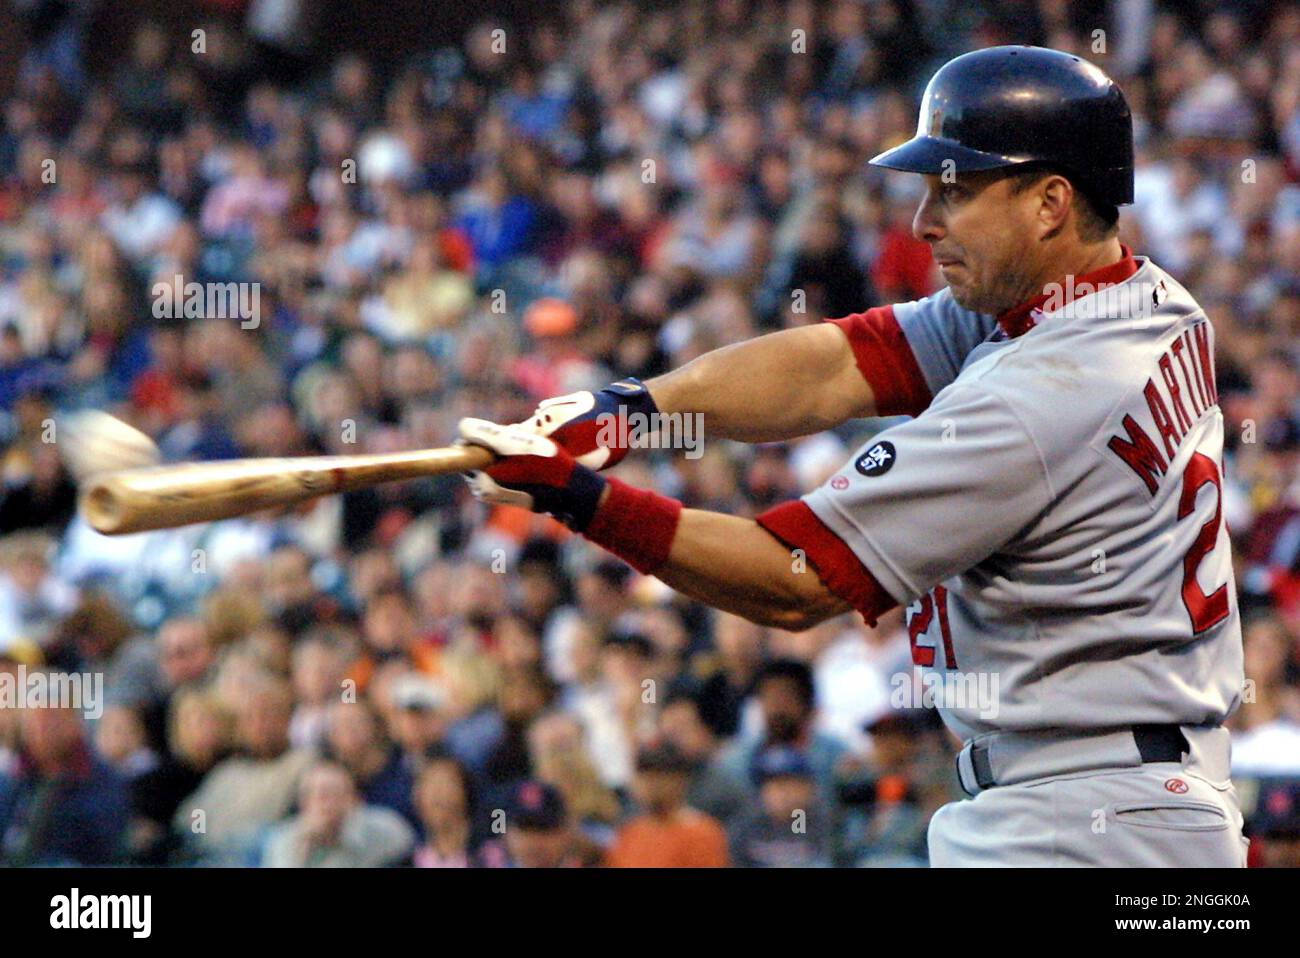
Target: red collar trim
1021,319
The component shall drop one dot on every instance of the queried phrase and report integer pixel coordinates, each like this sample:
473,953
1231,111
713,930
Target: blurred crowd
400,676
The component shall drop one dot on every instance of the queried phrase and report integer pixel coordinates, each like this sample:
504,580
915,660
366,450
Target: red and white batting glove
637,525
533,472
594,427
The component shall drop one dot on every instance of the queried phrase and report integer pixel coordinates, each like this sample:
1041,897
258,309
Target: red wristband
636,525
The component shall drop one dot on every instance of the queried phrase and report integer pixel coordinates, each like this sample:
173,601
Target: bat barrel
163,497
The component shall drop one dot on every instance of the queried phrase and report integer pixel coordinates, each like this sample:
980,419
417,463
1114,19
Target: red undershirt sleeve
886,361
796,525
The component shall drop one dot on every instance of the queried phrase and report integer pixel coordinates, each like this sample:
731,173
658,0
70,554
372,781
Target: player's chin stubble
1007,288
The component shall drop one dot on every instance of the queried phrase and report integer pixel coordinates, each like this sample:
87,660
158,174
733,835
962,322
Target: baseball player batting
1051,513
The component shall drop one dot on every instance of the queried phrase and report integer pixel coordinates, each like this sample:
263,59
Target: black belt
1155,743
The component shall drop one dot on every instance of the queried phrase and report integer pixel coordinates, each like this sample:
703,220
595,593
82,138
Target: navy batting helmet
1008,106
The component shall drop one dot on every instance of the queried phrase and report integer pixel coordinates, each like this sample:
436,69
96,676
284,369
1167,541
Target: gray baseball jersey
1054,515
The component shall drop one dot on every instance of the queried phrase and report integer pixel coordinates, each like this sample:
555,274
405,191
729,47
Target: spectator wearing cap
786,699
887,800
1273,825
538,832
444,800
668,833
335,829
418,723
791,828
558,365
714,790
61,804
389,631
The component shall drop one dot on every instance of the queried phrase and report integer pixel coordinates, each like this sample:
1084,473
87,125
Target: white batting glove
593,427
533,472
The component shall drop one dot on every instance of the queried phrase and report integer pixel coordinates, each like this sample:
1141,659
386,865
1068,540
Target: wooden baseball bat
163,497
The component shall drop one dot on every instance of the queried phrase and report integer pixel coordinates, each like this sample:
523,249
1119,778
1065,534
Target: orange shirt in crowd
689,839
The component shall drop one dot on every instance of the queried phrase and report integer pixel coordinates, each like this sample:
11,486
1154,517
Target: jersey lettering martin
1164,412
1052,512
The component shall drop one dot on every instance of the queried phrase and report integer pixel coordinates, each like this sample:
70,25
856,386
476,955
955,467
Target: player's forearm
729,562
735,565
779,386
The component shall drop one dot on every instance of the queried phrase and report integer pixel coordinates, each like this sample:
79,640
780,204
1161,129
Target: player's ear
1055,195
